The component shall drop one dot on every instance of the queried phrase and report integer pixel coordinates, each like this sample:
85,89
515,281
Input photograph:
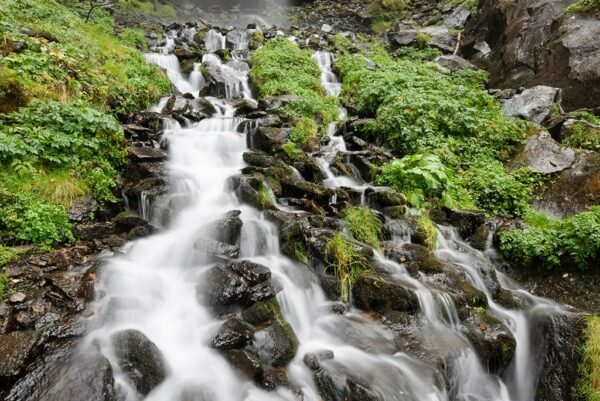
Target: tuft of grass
9,254
428,229
588,385
305,133
265,196
364,225
346,262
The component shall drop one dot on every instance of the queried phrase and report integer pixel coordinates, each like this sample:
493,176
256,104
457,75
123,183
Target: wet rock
226,230
294,187
250,189
375,293
246,361
534,104
140,359
277,344
128,220
543,154
493,341
82,377
253,273
334,386
312,359
575,189
275,103
16,350
465,222
272,378
147,154
454,63
224,288
83,209
218,249
417,258
234,333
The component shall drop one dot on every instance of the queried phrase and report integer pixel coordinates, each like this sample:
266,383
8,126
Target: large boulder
543,154
140,359
277,344
234,333
532,42
533,104
371,292
575,189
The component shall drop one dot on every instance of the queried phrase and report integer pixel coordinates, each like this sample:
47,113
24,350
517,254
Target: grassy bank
64,83
588,385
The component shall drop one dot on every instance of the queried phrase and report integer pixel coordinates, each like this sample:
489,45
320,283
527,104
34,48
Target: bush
584,137
281,68
570,242
364,225
292,151
584,6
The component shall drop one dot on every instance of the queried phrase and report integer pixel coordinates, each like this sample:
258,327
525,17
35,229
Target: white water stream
152,286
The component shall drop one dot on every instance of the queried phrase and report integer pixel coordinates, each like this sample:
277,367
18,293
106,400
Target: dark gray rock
234,333
441,38
458,18
128,220
246,361
83,209
375,293
543,154
140,359
147,154
223,287
226,230
253,273
216,248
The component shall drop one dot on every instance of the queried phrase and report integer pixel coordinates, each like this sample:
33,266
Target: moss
300,251
291,151
305,133
588,385
262,312
423,39
265,196
428,231
10,254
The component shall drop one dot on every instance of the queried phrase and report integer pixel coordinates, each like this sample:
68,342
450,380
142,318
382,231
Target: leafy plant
572,241
346,261
429,231
291,150
305,132
584,137
418,177
364,225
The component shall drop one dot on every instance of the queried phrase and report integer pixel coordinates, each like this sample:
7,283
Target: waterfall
152,286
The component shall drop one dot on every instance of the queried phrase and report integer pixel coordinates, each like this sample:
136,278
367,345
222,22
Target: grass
588,385
429,231
305,133
346,261
364,225
291,150
584,137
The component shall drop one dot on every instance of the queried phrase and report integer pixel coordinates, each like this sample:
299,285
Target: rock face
16,349
140,359
534,104
575,189
543,154
528,43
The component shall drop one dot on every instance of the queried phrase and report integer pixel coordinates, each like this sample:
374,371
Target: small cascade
329,80
214,41
170,64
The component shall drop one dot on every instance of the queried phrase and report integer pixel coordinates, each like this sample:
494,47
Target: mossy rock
372,292
262,312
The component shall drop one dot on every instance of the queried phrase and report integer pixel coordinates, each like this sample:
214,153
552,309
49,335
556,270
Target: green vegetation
584,136
588,385
3,286
385,12
584,6
291,150
265,196
9,254
61,95
147,8
429,231
572,241
346,261
281,68
305,133
445,124
364,225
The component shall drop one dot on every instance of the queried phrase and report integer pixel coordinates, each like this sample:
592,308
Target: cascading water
152,287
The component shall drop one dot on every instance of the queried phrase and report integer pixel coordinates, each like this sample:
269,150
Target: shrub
584,137
291,150
364,225
347,262
280,68
569,242
418,177
134,38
